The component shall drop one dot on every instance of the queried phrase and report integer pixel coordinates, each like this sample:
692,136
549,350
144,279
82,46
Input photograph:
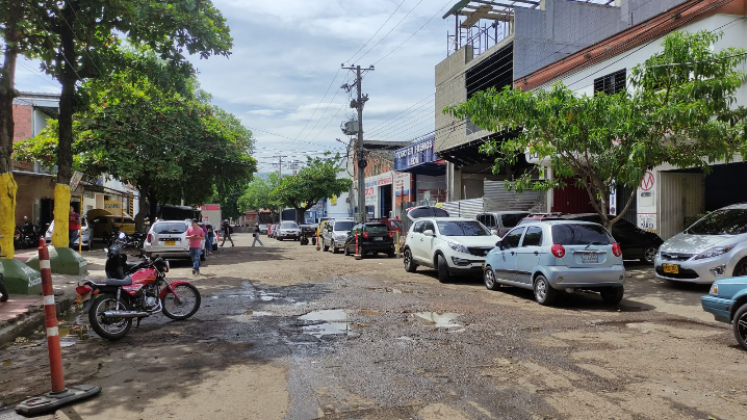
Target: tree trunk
299,215
153,203
8,186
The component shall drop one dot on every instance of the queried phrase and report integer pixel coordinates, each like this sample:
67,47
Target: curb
29,322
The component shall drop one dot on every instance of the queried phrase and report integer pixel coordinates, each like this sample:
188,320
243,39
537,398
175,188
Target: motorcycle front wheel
187,305
111,329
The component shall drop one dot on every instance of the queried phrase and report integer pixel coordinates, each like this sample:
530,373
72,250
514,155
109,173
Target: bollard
60,395
396,244
318,245
357,248
80,238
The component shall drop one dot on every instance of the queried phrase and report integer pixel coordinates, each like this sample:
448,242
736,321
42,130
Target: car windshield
289,225
462,228
176,227
344,226
721,222
511,220
377,228
396,224
580,234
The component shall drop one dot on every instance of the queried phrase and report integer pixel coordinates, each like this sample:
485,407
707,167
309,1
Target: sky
287,54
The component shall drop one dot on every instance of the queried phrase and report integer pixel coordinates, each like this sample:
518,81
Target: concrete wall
543,37
450,89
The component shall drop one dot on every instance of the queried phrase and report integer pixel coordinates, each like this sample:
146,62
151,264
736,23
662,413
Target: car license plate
671,268
291,234
591,258
170,243
378,238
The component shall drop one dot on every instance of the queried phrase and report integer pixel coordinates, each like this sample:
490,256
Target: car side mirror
499,244
429,233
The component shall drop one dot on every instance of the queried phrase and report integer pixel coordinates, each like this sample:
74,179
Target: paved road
288,332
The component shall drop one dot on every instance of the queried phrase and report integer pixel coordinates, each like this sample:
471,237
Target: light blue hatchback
557,255
727,301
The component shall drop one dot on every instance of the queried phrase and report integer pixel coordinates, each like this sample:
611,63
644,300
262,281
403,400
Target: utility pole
362,215
280,177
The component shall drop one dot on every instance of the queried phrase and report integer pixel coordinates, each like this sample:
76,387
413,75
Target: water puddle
446,320
258,313
368,312
7,362
326,322
390,290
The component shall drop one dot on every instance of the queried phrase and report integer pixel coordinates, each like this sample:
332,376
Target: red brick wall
23,116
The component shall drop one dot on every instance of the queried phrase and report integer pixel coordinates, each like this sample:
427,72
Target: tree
679,111
315,181
261,194
78,40
170,146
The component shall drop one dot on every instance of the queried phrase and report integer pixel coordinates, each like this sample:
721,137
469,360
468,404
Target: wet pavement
294,333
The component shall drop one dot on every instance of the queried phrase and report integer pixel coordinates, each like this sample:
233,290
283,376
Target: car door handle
536,253
513,253
421,239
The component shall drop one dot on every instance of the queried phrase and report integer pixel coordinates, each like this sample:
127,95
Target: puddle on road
7,362
446,320
368,312
390,290
326,322
258,313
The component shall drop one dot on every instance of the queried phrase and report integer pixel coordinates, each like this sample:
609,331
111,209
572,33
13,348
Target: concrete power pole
280,176
358,104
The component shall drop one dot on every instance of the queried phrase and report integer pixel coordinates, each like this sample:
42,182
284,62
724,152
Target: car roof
740,206
450,219
558,222
506,212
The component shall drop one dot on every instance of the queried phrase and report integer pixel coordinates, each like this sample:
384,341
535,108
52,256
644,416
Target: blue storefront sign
415,154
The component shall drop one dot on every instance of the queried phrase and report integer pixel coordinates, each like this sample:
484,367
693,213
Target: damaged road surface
288,332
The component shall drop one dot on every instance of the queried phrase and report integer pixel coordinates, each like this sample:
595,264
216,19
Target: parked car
540,217
419,212
558,255
85,233
636,243
501,221
271,230
167,239
713,248
263,229
371,237
104,223
308,231
453,246
336,233
394,225
727,301
288,229
322,226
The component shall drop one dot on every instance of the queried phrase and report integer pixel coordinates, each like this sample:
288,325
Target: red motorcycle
134,291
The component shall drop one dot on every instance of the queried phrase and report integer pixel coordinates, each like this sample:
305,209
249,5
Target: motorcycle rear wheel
3,292
111,329
189,298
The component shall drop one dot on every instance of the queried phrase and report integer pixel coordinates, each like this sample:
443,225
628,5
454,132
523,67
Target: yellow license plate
170,243
483,267
671,268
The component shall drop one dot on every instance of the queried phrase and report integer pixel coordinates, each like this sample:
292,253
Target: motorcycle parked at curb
134,291
3,292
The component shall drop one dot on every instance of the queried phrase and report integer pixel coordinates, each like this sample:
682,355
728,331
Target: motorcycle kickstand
138,322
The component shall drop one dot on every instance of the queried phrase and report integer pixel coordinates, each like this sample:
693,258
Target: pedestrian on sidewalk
209,239
226,229
195,235
256,236
73,226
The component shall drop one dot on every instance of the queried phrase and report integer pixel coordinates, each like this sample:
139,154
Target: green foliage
680,110
261,194
315,181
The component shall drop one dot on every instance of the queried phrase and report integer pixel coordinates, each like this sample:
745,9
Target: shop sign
379,180
415,154
113,207
401,183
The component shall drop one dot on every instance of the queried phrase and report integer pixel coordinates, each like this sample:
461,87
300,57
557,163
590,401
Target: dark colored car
308,230
394,225
636,243
373,237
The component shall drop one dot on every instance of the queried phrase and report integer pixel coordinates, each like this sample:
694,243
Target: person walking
256,236
73,226
209,239
195,235
226,229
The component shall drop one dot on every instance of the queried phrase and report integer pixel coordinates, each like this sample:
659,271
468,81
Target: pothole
326,322
445,320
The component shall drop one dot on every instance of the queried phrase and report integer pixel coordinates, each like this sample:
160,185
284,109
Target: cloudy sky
287,53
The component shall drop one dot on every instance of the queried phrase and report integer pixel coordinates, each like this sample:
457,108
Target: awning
466,154
429,168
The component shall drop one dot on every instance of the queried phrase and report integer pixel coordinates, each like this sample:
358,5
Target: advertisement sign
402,184
414,154
113,207
379,180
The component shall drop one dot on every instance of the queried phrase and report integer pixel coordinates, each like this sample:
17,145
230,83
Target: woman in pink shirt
195,235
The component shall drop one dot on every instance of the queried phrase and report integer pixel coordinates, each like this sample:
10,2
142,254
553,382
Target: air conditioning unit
350,128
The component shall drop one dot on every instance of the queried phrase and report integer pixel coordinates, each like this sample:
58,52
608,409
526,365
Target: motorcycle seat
127,281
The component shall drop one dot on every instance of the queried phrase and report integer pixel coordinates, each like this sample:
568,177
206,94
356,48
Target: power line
350,60
390,31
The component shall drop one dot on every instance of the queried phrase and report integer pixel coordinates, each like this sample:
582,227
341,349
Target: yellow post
61,234
8,189
396,243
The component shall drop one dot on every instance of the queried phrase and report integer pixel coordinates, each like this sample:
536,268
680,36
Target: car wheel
346,250
390,254
326,247
334,247
410,265
741,268
544,294
649,254
612,296
740,326
443,269
489,277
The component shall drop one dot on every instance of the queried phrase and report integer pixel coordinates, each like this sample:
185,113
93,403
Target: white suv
451,245
167,239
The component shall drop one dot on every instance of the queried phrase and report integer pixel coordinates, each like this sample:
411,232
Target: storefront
417,165
379,196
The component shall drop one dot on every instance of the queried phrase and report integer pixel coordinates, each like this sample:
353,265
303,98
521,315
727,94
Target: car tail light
391,234
82,290
558,250
365,235
150,237
616,249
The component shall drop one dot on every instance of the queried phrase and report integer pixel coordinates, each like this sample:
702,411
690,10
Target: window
377,228
511,220
511,240
418,228
174,227
471,228
611,83
428,225
343,226
289,225
487,220
580,234
533,237
721,222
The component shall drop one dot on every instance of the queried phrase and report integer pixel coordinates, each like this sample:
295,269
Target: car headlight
714,290
714,252
458,247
